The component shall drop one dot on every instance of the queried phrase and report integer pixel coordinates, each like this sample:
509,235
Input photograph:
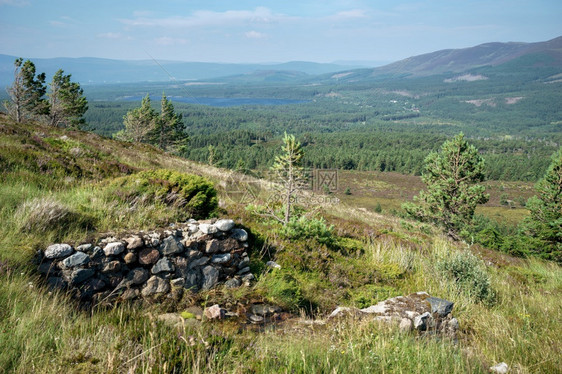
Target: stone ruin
151,265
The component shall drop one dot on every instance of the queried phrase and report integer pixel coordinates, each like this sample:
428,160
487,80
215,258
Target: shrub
309,228
189,195
469,275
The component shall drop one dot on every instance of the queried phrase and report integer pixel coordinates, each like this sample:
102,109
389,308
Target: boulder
155,285
87,247
114,248
58,251
440,306
134,242
224,224
210,277
239,234
163,265
170,246
207,228
77,259
80,275
221,259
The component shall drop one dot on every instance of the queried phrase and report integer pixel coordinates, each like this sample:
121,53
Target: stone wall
161,263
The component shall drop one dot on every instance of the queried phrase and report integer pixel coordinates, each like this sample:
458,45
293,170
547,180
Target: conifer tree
26,92
169,130
139,122
67,103
451,176
545,223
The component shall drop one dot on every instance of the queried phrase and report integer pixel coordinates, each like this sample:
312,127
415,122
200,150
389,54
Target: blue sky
267,31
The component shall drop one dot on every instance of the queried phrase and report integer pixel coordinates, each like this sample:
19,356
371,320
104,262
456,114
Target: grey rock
453,325
199,262
244,263
58,251
47,268
233,283
207,228
440,306
273,265
134,242
170,246
134,277
244,270
155,285
221,259
80,275
77,259
192,279
56,283
248,277
177,282
130,293
114,248
210,277
264,309
422,322
406,324
343,311
148,256
239,234
224,224
163,265
97,254
256,319
87,247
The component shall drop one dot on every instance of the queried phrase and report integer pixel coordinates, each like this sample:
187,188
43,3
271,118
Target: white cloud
207,18
255,35
114,36
348,14
165,40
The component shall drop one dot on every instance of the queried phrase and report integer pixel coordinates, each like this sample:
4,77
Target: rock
87,247
134,242
406,325
97,254
177,282
210,277
56,283
224,224
264,309
58,251
47,268
148,256
163,265
273,265
212,246
221,259
214,312
80,275
244,270
192,279
248,277
344,311
77,259
130,258
114,248
190,244
170,246
233,283
379,308
134,277
199,262
155,285
453,324
95,284
239,234
244,263
170,319
440,306
207,228
130,293
228,245
256,319
421,322
111,267
501,368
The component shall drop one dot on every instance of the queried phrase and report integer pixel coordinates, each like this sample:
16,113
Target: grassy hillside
64,186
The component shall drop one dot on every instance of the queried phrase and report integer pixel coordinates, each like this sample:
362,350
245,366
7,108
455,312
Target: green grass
369,257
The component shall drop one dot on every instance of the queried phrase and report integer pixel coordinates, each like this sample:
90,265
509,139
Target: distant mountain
90,70
511,56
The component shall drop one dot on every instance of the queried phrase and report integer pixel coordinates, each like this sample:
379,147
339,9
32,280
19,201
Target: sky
269,30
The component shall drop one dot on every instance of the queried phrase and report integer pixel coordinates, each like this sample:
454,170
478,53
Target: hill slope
509,309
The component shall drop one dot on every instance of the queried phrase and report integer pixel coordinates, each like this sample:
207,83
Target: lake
223,101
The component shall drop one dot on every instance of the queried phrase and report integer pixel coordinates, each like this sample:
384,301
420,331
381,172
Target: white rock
207,228
273,264
379,308
224,224
114,248
58,250
239,234
500,368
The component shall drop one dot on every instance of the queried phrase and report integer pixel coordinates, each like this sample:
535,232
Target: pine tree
169,130
289,173
139,122
26,93
451,177
67,102
545,223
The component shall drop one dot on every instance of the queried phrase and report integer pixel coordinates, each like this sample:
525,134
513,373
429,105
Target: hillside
507,57
509,308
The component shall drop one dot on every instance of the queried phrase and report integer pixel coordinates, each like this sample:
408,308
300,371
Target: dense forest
390,125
